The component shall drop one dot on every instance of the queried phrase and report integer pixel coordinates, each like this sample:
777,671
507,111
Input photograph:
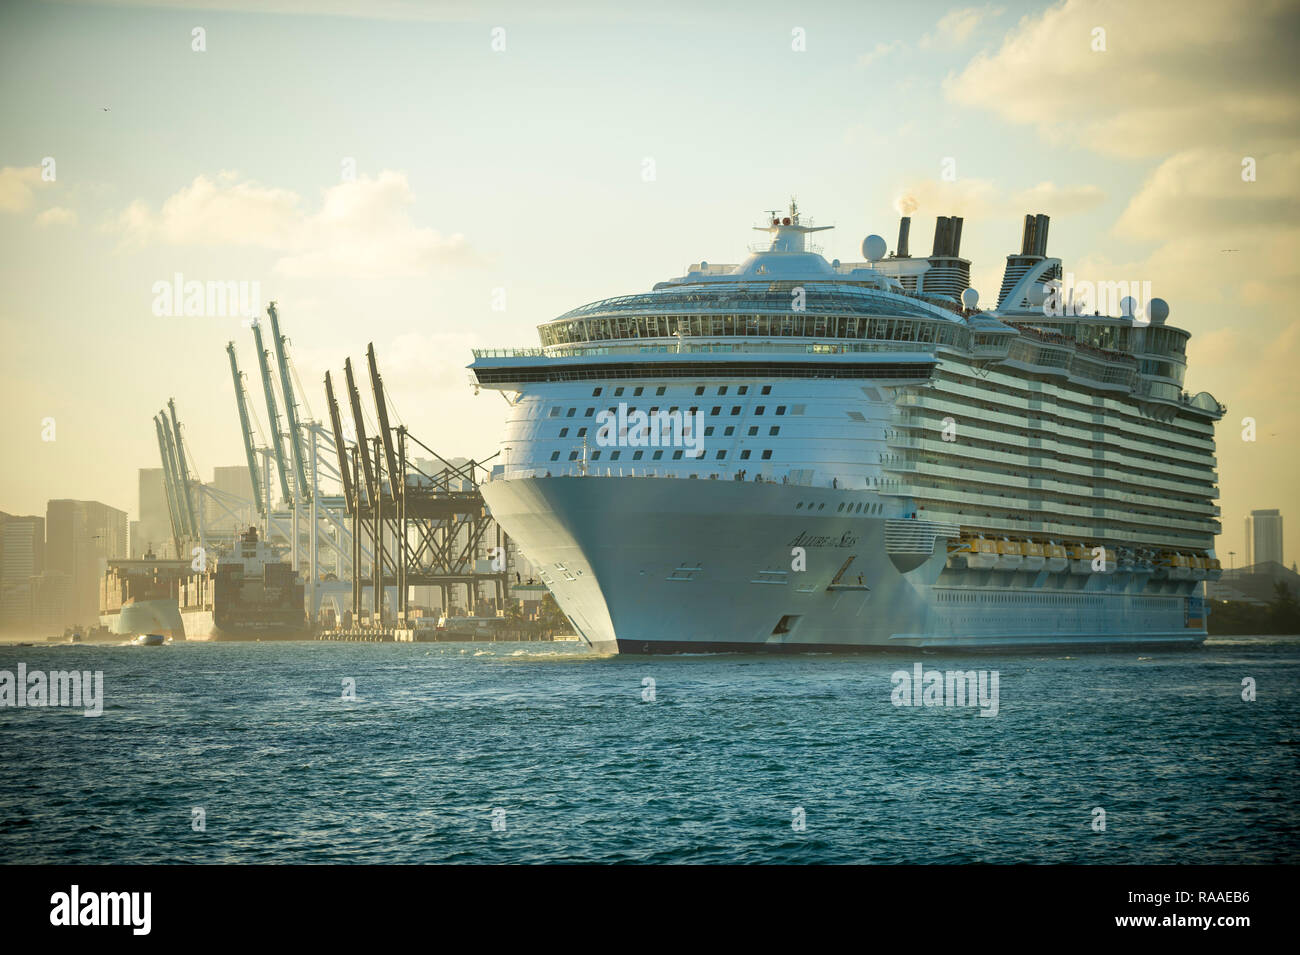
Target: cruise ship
795,454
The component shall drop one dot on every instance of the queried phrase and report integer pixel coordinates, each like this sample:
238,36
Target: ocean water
566,751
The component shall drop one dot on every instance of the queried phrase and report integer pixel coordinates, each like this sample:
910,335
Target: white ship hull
160,616
645,565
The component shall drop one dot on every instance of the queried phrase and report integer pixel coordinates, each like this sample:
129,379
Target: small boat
149,640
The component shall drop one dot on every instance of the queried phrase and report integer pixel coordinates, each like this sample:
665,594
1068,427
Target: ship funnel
904,227
947,236
1034,240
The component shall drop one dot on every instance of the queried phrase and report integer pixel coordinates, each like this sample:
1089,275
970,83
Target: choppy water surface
587,770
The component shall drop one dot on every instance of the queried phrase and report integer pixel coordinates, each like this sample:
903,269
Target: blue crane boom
168,485
241,399
290,407
183,472
272,410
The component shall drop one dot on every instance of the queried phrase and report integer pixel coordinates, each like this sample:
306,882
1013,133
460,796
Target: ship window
672,410
717,409
760,409
582,432
637,392
773,432
636,455
767,389
555,412
699,390
780,409
692,409
708,432
617,392
753,431
767,455
720,455
555,455
660,390
735,410
677,455
573,455
615,455
571,411
729,432
744,455
595,455
657,455
589,412
596,393
564,432
798,506
841,507
743,390
819,506
722,390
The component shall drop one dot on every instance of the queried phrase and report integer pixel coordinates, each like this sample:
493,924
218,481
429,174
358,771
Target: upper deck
786,311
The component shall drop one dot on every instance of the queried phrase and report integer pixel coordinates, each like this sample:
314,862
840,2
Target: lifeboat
1035,558
1058,559
1200,567
1173,566
1011,555
1080,559
983,555
1127,561
1213,569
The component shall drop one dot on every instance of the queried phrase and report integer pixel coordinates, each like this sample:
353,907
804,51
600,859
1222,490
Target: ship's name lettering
807,540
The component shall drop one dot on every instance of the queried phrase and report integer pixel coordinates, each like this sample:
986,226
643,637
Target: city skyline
373,206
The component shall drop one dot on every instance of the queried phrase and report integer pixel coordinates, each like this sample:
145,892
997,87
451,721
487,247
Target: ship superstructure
792,453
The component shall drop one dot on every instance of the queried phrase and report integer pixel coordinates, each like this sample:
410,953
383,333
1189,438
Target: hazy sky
523,169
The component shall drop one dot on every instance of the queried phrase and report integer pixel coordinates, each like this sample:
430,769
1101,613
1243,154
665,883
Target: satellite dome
1158,311
1127,306
874,248
1036,295
970,298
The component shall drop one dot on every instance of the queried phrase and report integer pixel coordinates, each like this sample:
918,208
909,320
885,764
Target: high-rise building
235,482
1264,537
155,528
22,557
80,536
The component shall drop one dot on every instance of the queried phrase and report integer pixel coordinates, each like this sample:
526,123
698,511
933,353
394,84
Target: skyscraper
1264,536
22,557
80,536
155,520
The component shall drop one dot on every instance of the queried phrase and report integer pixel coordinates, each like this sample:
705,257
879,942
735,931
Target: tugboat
149,640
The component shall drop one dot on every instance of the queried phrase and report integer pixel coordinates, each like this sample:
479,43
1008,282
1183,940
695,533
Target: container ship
256,595
153,595
792,454
251,594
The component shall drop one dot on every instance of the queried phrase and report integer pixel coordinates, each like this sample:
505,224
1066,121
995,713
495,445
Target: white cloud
956,26
56,215
879,51
18,187
981,198
362,229
1173,75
